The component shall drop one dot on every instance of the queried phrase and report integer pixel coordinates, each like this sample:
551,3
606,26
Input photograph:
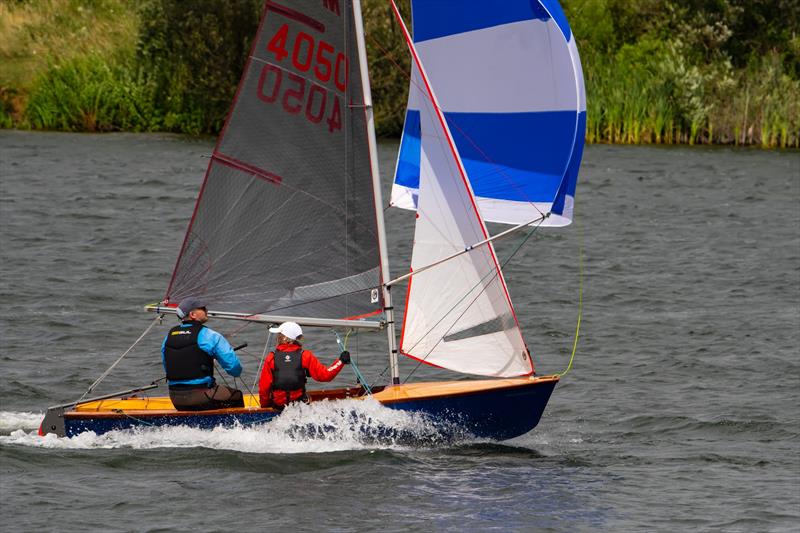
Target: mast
376,189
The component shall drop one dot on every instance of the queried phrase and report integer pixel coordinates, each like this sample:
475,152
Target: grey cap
187,304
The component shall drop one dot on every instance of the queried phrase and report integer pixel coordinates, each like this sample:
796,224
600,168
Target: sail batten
229,161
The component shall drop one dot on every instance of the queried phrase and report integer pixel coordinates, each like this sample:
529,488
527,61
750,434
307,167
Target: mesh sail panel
285,221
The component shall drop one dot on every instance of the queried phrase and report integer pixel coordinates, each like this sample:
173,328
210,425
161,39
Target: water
681,411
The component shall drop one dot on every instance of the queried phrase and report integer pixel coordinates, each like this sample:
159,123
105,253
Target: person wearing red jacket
283,378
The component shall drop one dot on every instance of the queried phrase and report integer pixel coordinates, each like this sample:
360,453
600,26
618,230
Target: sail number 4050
275,83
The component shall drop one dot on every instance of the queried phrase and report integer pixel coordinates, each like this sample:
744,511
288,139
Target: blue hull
494,413
74,425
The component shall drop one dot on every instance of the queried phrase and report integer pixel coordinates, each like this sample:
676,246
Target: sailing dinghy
494,132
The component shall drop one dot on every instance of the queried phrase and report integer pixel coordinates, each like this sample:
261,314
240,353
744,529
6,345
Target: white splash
10,421
315,428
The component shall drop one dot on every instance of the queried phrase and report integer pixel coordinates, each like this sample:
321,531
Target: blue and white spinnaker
509,80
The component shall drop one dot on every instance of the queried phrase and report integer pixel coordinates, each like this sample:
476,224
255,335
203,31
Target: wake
320,427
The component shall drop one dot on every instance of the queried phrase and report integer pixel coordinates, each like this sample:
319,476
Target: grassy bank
690,72
42,38
657,71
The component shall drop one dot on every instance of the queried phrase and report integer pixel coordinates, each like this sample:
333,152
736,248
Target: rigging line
381,375
494,274
225,381
139,420
580,301
388,55
539,219
356,371
104,374
219,371
248,354
360,378
249,390
263,358
405,276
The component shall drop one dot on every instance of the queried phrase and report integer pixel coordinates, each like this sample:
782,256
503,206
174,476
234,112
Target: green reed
653,95
89,93
174,70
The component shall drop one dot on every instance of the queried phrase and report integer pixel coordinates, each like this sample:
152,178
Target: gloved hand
344,357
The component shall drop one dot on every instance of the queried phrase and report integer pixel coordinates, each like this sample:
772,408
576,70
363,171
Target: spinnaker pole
466,250
376,190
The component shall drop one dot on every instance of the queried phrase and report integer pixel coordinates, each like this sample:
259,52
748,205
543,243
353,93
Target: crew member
283,379
188,354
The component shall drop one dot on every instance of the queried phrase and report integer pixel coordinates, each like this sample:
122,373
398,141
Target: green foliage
7,98
390,64
34,34
690,71
656,71
191,55
86,94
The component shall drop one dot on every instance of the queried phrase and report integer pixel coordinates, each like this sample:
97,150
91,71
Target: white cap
290,330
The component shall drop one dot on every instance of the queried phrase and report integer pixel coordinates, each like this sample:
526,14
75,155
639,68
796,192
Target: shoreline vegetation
657,71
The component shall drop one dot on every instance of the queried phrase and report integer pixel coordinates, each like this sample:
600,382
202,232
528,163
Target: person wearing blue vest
188,353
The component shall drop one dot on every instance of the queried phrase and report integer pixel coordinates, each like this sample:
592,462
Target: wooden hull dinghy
497,409
296,168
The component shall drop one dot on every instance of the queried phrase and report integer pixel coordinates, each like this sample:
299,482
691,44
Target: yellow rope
580,301
344,344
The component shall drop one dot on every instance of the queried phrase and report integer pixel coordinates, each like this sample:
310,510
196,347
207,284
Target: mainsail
508,77
285,222
459,314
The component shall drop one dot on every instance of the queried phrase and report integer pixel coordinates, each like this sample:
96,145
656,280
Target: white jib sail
459,315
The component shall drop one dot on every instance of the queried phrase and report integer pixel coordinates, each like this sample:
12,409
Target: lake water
681,412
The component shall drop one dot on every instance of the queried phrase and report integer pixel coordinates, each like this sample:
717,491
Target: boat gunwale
502,385
389,395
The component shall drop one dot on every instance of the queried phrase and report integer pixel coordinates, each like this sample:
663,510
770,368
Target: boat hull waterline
493,409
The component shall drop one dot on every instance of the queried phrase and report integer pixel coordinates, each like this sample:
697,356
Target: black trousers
206,398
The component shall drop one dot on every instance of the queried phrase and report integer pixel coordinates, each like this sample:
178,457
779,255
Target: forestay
459,314
508,76
285,220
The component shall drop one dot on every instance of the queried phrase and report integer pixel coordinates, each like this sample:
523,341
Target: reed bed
88,94
105,65
639,103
